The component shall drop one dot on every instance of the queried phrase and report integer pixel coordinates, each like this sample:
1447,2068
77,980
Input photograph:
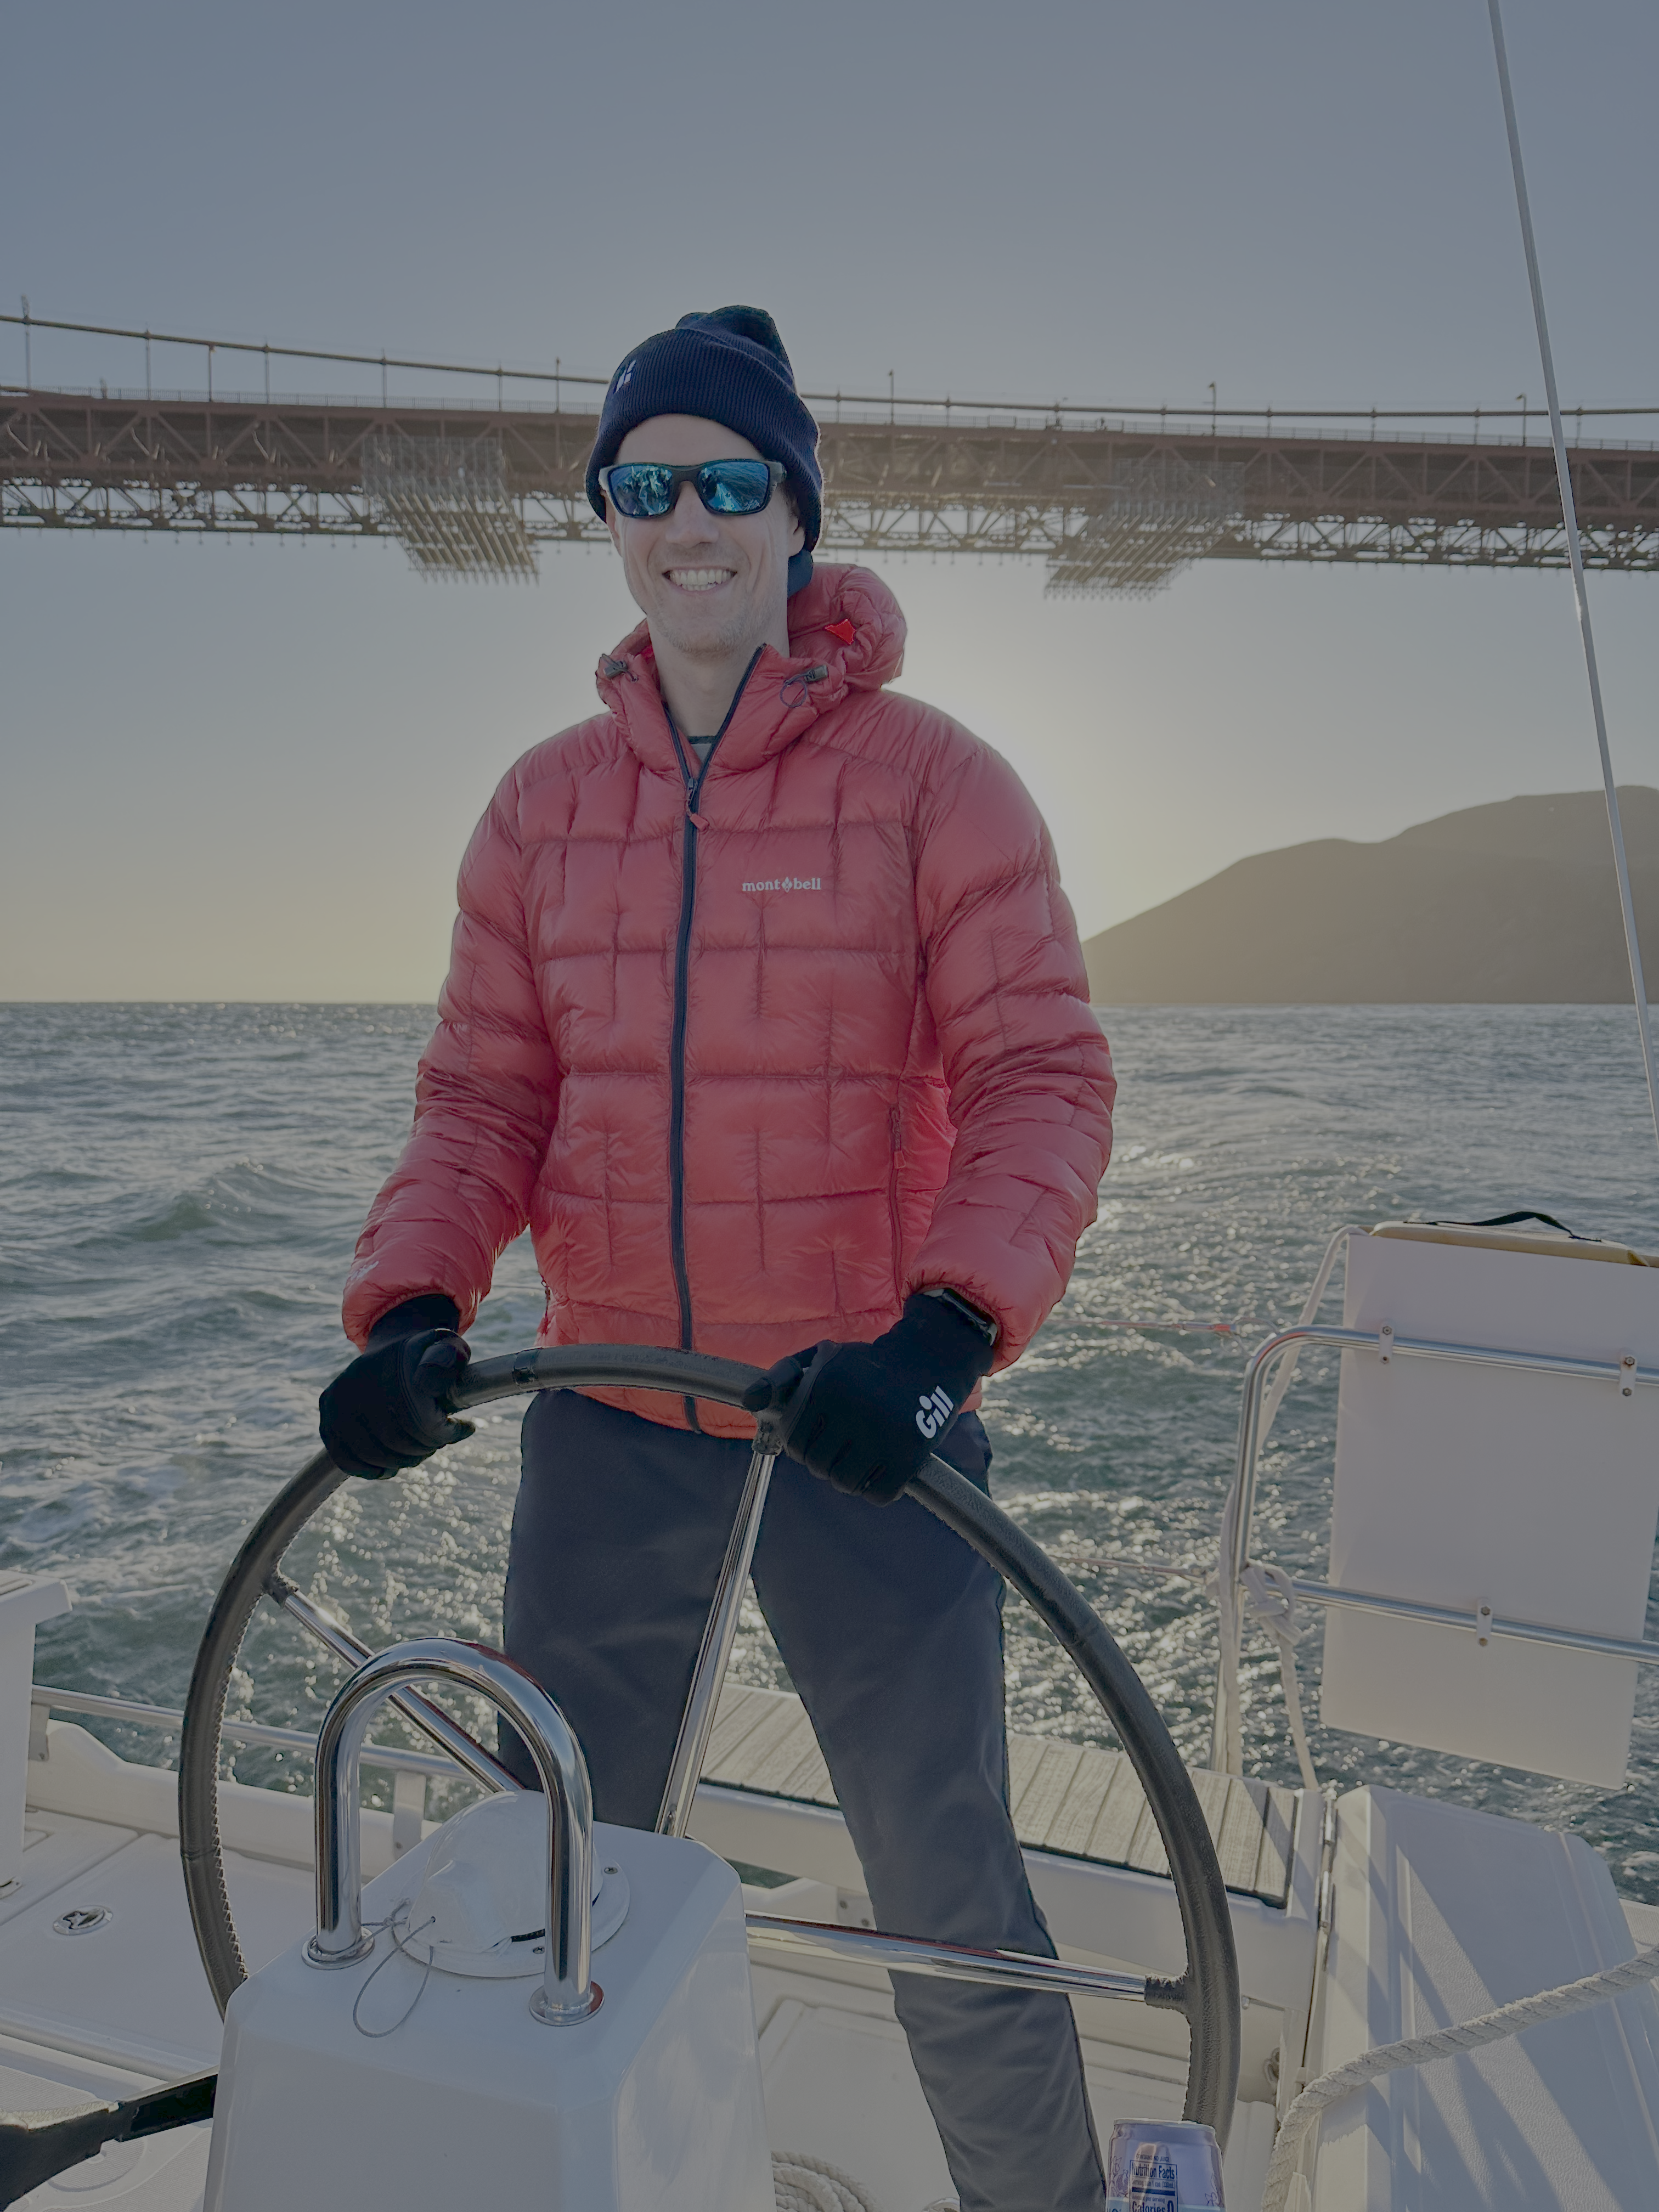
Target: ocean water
180,1187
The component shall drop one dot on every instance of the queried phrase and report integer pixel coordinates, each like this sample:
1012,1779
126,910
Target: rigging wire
1570,517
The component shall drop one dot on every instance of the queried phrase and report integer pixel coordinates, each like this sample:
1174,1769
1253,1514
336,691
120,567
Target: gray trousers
891,1629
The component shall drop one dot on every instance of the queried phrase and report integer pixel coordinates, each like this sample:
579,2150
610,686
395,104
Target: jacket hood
846,634
819,614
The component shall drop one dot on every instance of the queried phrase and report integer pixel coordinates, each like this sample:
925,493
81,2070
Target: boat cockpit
1375,1998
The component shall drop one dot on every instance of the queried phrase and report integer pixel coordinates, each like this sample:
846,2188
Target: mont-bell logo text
786,884
933,1411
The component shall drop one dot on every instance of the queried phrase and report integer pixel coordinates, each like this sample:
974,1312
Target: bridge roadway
1111,505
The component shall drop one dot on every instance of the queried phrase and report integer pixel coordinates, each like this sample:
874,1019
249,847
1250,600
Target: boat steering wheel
1205,1992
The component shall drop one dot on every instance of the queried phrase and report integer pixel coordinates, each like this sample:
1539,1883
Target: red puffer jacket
757,1057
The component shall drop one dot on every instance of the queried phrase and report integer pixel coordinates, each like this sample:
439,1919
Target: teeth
701,579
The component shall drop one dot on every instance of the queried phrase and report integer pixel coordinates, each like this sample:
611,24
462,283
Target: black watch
982,1321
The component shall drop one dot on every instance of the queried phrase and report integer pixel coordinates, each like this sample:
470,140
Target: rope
1270,1602
812,2184
1417,2050
1310,1305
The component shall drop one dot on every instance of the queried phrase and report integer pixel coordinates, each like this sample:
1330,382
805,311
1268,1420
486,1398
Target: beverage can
1163,2166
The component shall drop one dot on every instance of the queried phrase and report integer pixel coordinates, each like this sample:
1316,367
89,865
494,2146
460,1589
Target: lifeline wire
1575,554
397,1951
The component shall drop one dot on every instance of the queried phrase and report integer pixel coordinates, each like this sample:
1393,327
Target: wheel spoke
446,1734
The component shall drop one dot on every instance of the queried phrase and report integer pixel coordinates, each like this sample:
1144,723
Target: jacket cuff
432,1310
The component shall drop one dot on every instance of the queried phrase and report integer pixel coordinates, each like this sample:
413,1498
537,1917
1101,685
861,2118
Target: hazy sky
240,770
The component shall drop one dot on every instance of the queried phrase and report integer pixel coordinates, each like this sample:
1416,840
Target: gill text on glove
866,1417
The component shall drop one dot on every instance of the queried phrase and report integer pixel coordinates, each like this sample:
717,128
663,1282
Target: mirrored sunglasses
646,490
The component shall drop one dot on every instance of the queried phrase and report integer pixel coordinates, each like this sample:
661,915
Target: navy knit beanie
729,367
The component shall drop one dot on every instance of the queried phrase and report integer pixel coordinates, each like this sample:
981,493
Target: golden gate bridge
1114,501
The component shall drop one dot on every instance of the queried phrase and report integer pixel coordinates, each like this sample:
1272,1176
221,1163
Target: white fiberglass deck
1437,1912
124,2006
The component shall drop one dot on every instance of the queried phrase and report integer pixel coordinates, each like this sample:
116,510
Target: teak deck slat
740,1710
772,1771
1112,1837
1024,1756
1045,1794
1073,1823
1277,1830
1238,1846
1072,1799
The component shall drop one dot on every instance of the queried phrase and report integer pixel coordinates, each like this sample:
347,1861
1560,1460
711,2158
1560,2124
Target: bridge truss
1114,506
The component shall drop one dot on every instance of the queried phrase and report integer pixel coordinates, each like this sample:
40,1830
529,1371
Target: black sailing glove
386,1411
867,1416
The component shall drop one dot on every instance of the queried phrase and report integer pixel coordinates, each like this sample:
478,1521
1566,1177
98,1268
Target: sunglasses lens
646,490
641,489
735,487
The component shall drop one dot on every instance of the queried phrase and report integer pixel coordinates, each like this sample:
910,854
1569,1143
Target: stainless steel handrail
1239,1514
567,1994
948,1962
714,1656
1524,1632
1599,1370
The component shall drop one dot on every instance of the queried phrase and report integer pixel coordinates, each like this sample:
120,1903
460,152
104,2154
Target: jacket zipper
895,1218
677,1043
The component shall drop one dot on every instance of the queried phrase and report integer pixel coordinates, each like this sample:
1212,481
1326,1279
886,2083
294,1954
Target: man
766,1013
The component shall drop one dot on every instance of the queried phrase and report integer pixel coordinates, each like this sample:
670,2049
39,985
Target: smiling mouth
700,579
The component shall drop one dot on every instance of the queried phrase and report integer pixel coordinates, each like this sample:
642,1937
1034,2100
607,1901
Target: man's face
710,586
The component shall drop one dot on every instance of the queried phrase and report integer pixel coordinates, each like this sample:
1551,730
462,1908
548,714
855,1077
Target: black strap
35,2146
1506,1220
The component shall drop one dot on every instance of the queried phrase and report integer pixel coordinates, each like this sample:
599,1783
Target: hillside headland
1516,902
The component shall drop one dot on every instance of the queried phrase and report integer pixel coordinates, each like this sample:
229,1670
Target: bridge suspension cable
886,403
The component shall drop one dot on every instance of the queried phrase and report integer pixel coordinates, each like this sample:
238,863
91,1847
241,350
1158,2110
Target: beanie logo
624,376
